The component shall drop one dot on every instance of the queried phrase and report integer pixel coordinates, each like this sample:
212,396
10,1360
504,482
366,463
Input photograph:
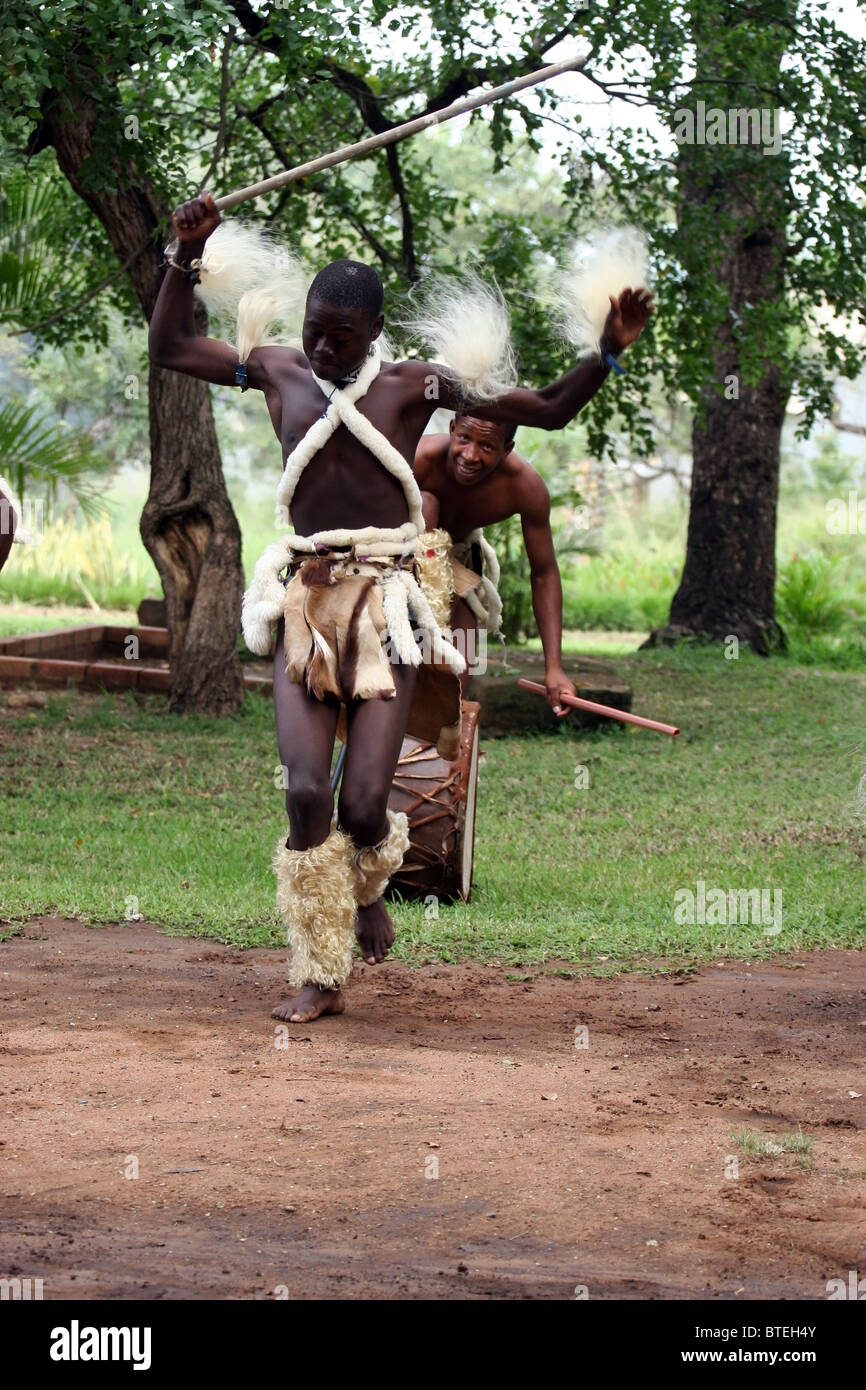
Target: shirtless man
344,487
472,477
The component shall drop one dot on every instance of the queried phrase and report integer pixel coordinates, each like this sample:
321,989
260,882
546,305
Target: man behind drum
471,478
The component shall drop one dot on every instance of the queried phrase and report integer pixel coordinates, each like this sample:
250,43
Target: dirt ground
443,1139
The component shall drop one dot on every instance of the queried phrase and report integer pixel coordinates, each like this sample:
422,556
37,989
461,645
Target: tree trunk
190,530
188,526
728,582
731,216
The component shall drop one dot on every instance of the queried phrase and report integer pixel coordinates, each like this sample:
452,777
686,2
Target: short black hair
349,285
509,429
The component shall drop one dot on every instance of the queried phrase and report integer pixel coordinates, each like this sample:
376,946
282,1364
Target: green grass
756,1145
25,617
103,801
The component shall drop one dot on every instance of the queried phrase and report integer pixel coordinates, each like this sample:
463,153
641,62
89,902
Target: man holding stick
352,588
472,477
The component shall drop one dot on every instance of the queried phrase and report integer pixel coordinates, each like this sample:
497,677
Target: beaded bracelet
188,268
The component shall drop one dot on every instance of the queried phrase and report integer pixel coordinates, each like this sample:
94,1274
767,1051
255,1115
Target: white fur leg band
316,898
373,867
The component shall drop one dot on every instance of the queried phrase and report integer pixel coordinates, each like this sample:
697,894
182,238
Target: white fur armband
466,326
600,266
252,286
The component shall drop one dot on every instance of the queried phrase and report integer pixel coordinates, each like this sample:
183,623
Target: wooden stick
401,132
607,710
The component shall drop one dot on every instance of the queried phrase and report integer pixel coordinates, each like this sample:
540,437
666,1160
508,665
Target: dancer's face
476,448
336,339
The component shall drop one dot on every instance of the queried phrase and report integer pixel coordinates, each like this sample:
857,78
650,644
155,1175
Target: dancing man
352,619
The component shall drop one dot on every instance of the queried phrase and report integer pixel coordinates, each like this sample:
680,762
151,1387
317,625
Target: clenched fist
194,221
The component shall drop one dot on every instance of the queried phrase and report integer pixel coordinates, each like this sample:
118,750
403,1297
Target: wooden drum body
438,798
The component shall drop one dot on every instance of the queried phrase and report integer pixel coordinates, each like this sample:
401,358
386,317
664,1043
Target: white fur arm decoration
466,325
600,266
252,286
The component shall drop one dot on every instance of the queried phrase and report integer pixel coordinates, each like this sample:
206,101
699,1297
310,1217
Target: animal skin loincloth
337,641
336,634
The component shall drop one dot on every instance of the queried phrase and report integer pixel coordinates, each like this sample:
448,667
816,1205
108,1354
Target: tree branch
221,129
324,190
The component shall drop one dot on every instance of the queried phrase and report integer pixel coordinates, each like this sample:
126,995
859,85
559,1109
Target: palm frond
28,263
38,450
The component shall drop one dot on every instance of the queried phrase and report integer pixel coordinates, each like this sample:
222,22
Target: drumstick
403,131
607,710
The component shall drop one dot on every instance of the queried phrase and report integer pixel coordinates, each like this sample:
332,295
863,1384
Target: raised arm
172,340
552,407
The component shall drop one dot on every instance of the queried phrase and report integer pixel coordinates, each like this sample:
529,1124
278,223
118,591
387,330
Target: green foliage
37,453
786,56
832,470
619,592
26,265
308,77
809,594
219,92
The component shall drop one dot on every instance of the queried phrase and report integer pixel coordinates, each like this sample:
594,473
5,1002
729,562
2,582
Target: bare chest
344,485
463,509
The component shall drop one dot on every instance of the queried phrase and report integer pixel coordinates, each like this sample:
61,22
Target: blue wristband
612,362
241,376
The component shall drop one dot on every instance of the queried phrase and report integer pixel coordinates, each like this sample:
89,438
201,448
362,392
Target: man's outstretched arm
555,405
546,590
172,340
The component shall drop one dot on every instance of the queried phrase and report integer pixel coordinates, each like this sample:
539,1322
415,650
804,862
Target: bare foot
309,1004
375,932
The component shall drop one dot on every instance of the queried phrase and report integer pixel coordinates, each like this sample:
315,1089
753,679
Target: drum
438,798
